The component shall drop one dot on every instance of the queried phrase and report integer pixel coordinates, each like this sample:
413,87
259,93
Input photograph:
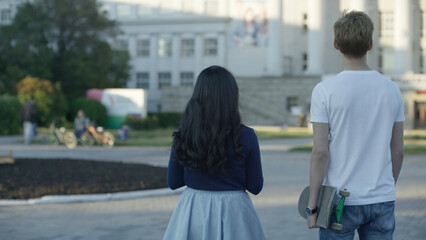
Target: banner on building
249,26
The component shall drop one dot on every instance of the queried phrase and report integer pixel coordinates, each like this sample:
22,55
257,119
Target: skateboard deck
325,204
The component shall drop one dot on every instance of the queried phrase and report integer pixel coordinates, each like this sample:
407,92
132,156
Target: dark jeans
374,221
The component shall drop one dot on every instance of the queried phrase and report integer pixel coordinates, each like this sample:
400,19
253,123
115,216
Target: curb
55,199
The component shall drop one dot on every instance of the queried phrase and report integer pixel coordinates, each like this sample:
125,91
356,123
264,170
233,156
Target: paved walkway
285,176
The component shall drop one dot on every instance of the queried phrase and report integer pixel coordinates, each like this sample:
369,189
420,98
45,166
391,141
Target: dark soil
34,178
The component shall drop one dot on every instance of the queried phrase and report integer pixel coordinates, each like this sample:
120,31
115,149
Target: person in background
81,123
28,118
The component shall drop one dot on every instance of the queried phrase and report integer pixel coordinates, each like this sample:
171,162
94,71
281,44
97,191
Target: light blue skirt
214,215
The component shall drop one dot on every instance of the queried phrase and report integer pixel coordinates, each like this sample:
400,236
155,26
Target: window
305,22
6,15
380,60
142,48
121,44
211,7
291,103
142,80
187,78
304,62
164,47
164,79
386,24
187,48
123,10
210,47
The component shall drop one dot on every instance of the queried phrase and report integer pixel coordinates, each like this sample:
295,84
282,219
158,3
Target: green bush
167,120
137,123
154,121
10,110
93,109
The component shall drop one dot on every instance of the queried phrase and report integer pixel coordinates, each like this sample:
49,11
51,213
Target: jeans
374,221
28,127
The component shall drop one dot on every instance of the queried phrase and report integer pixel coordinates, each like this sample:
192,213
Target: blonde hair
353,33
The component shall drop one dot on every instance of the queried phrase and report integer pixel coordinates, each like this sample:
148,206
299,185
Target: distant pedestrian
218,159
28,118
81,123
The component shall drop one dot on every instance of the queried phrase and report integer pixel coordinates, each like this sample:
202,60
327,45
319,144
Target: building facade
282,42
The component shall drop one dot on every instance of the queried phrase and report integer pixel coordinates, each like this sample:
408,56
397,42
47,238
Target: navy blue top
238,175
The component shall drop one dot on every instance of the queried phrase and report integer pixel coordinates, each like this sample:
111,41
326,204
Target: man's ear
335,45
371,45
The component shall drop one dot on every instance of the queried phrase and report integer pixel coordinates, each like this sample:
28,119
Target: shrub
92,108
10,110
168,120
154,121
49,100
137,123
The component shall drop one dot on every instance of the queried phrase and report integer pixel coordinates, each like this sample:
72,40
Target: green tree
49,99
64,41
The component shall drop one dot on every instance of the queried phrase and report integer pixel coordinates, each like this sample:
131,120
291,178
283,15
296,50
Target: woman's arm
175,173
254,176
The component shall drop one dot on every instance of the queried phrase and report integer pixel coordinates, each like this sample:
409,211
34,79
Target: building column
370,7
153,56
175,59
274,62
198,53
315,38
403,37
359,5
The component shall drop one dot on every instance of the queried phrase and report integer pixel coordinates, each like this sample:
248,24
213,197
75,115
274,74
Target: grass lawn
155,138
277,132
408,149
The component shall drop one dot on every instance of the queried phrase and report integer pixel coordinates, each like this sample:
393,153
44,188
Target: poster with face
249,26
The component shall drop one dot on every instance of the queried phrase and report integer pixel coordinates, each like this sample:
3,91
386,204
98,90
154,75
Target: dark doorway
420,115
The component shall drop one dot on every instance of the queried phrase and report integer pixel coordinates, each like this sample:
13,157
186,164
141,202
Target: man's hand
312,221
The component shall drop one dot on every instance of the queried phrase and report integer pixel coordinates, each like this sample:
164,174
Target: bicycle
62,136
101,137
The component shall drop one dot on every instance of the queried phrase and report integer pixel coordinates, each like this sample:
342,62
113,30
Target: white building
171,41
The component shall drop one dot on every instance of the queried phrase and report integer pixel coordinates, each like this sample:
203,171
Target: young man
357,119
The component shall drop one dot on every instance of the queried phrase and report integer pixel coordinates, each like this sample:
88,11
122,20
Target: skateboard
325,205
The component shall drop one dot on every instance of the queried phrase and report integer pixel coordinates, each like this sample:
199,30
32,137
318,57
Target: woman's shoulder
247,132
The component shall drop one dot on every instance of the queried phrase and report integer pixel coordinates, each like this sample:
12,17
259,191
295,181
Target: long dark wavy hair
210,120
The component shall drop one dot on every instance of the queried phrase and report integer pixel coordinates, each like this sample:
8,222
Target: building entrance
420,115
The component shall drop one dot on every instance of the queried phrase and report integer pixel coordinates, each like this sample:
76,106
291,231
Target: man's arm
397,148
319,163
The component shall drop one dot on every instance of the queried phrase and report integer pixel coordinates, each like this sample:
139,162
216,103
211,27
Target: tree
49,99
64,41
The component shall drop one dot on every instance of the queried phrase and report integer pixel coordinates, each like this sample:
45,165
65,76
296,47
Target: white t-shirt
361,108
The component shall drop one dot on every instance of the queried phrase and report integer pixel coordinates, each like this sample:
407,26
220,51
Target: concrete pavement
286,174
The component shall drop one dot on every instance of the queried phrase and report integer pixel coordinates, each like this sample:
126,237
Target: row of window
186,6
187,47
164,79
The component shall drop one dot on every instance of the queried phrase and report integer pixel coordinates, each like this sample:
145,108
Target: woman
217,158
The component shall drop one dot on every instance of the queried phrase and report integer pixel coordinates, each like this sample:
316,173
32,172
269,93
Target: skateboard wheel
337,226
344,193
